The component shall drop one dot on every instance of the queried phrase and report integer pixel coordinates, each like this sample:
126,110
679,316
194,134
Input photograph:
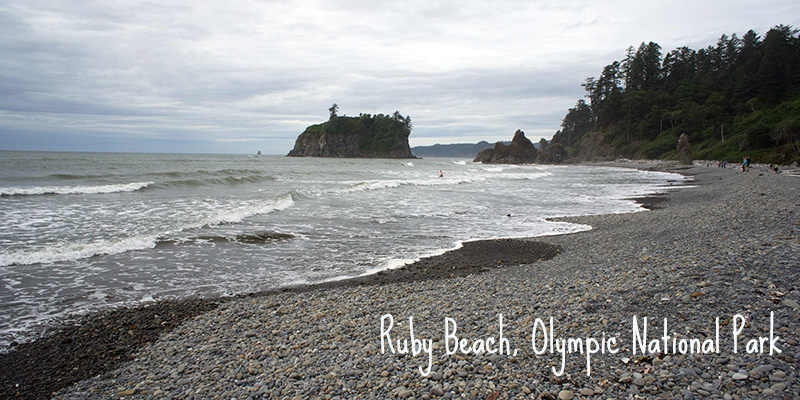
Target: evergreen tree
735,96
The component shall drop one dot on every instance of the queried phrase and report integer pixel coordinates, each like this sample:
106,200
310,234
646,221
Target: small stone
791,303
778,387
250,334
437,390
436,376
183,381
403,393
739,376
762,369
587,392
129,392
565,395
698,294
525,390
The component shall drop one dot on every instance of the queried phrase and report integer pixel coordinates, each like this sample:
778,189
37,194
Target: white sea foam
346,218
80,249
239,213
75,250
81,189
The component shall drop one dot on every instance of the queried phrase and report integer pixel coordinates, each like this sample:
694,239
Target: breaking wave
70,251
81,189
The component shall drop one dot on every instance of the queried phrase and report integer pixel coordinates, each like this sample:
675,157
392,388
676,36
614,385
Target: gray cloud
243,75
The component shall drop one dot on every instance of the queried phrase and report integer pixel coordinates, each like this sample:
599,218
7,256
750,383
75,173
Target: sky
239,76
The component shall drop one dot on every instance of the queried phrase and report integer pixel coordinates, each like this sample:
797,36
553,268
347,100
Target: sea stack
366,136
520,151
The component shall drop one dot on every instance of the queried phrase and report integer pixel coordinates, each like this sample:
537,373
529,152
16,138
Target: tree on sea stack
333,110
365,136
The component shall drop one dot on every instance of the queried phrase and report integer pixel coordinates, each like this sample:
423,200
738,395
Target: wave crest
81,189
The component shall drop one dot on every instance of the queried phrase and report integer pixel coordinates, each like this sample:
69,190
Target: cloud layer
207,76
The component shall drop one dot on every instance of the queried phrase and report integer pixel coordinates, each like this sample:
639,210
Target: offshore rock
554,154
520,151
355,137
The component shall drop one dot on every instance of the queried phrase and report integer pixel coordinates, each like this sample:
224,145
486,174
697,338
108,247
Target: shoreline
98,342
544,251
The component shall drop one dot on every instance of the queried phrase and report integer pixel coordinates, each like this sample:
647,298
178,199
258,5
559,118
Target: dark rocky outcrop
551,154
484,156
355,137
520,151
685,150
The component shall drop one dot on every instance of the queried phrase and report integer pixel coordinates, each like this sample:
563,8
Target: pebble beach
717,262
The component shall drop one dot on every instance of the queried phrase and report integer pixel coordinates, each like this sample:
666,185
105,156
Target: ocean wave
215,181
240,213
75,251
80,189
364,186
75,176
81,249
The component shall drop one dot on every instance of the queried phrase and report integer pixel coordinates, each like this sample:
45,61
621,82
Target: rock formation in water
366,136
520,151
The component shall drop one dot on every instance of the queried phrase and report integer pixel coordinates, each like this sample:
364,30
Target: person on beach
441,174
746,164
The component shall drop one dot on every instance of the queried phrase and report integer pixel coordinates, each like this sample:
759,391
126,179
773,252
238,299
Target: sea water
82,232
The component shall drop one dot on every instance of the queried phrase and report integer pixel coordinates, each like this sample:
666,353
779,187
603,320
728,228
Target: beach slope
722,256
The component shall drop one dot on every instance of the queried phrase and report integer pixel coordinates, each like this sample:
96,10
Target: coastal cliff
365,136
735,99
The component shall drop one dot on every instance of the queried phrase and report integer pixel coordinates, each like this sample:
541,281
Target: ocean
82,232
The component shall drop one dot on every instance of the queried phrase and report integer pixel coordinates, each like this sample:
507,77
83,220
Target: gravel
726,249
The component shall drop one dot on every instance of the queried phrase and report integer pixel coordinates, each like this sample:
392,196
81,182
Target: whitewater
82,232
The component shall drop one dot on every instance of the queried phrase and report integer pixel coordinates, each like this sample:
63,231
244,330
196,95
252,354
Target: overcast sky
240,76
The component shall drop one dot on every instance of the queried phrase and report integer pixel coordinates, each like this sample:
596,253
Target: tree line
737,97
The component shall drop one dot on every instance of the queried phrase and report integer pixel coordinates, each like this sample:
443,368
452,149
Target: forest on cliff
736,98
